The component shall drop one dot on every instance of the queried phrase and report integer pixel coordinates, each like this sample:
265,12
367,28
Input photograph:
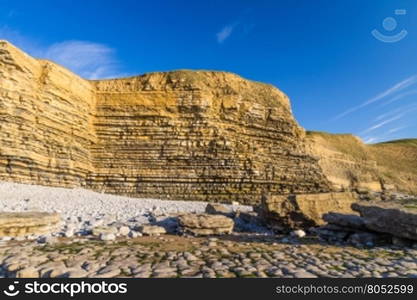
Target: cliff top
214,82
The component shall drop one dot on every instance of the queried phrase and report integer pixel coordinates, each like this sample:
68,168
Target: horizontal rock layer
194,135
26,223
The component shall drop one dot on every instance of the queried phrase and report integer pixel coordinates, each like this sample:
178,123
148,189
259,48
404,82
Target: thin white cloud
90,60
396,88
402,109
370,140
380,124
225,32
396,129
399,97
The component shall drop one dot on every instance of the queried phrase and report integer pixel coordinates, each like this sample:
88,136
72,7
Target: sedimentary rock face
194,135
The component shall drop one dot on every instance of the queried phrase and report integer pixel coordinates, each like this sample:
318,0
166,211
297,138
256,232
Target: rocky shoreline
239,255
111,236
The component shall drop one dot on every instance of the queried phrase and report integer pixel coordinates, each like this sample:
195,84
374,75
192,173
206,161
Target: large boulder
218,209
206,224
352,222
26,223
389,217
304,210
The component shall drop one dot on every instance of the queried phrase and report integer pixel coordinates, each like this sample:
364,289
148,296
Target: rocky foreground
239,255
79,233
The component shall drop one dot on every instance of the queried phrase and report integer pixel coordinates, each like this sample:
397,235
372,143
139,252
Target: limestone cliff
349,163
194,135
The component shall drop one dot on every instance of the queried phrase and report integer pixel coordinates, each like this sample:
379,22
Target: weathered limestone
353,222
152,230
26,223
218,209
194,135
303,211
45,121
205,224
389,217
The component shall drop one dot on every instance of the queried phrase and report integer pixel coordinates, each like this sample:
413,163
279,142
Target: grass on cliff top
403,142
398,155
347,144
393,156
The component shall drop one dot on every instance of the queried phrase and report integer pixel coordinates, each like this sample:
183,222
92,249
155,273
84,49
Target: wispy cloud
225,32
380,124
88,59
402,109
387,134
370,140
396,129
399,97
396,88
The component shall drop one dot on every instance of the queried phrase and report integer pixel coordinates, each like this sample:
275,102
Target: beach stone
99,230
298,233
206,224
152,230
107,236
124,230
29,272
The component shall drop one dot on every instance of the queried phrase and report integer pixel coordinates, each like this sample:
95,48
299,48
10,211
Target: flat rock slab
206,224
346,221
25,223
389,217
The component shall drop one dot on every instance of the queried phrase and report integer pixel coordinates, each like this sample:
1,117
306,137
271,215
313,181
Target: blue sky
340,77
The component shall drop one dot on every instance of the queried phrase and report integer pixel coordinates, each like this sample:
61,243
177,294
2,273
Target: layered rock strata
13,224
194,135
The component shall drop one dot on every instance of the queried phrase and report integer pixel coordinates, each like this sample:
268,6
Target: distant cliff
349,163
194,135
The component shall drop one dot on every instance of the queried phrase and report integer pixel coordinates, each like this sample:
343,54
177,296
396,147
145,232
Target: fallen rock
345,221
389,217
218,209
13,224
107,236
99,230
303,210
124,230
206,224
152,230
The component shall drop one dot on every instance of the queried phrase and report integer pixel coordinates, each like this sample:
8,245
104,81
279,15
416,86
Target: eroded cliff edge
180,135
